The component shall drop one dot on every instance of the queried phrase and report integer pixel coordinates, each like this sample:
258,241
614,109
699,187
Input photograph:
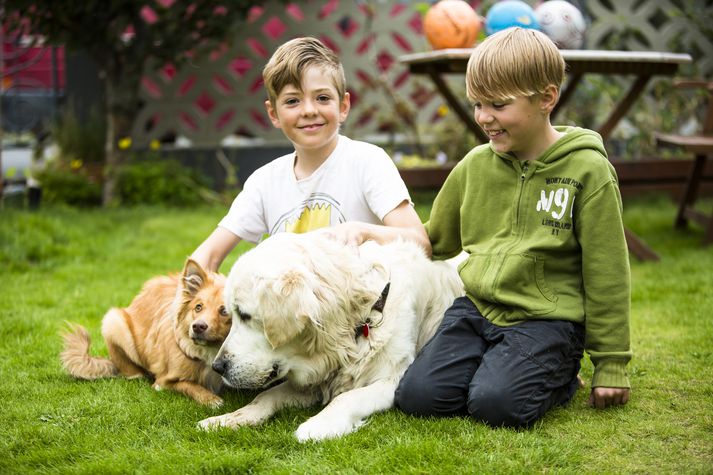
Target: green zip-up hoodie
545,240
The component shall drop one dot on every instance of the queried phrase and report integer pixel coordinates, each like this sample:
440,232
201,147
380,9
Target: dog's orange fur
171,332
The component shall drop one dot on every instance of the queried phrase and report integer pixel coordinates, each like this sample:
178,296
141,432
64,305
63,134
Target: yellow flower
125,143
75,164
154,144
443,110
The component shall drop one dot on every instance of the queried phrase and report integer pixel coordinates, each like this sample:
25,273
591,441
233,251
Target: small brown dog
171,332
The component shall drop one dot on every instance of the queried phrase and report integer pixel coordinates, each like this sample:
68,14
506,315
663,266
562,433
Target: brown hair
512,63
291,59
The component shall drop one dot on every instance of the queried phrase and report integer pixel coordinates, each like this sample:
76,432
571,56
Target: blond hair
289,62
511,63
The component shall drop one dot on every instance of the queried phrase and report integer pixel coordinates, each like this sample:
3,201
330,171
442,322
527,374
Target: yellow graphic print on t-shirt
315,217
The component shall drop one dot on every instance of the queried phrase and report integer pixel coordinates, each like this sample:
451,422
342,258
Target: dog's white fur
297,301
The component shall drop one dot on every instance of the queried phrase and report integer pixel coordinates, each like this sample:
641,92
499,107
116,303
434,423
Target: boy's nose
482,117
308,107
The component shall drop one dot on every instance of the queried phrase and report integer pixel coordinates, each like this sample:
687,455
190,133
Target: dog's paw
246,416
212,401
215,403
316,429
216,422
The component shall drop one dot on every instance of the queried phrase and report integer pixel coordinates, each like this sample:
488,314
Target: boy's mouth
494,133
310,127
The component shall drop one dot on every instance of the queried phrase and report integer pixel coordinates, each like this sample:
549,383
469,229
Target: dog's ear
367,287
292,286
193,277
279,331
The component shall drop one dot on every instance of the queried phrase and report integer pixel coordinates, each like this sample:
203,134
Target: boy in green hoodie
539,214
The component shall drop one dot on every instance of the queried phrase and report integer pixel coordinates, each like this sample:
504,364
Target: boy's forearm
213,251
386,234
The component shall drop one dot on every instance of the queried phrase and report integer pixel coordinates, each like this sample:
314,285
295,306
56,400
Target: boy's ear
344,107
272,113
549,98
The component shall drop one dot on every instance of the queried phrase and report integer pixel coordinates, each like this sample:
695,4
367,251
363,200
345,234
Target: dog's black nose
220,365
199,326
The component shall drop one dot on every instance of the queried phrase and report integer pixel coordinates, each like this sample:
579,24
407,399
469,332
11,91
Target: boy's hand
350,233
604,397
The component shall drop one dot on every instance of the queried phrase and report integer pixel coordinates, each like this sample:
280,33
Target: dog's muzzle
224,367
220,365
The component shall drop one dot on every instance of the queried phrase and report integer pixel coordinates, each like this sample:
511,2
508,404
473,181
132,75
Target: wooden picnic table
641,66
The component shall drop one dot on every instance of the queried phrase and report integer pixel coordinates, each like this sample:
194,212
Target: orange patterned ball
451,24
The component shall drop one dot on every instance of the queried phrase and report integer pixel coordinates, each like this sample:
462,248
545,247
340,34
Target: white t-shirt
357,182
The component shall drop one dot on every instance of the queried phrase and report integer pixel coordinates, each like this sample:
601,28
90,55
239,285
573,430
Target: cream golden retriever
316,321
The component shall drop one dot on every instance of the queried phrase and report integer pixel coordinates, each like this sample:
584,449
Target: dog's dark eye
198,307
223,311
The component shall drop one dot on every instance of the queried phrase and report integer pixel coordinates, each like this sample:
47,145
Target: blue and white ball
562,22
509,13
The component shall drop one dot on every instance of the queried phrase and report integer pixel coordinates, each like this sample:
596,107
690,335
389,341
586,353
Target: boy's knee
409,397
497,408
419,397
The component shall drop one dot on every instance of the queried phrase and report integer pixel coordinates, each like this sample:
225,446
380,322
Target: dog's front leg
264,406
193,390
346,412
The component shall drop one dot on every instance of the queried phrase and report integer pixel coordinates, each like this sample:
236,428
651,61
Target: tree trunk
122,108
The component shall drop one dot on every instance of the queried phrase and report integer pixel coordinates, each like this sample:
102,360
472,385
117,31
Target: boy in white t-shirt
329,180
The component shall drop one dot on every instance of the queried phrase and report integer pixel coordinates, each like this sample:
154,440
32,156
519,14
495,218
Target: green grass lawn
61,265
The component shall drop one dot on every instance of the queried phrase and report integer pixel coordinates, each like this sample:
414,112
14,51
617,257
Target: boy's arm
401,222
211,253
607,286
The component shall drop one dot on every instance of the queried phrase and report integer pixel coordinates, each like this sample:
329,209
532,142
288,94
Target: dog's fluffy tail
77,360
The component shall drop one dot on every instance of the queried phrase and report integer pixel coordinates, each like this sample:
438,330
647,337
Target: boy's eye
323,98
291,101
498,105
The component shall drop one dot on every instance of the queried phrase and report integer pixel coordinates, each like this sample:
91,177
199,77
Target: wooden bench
701,146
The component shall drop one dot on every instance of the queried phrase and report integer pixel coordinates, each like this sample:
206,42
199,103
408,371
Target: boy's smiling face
310,115
519,126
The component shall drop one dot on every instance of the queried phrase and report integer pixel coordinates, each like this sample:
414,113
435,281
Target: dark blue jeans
503,376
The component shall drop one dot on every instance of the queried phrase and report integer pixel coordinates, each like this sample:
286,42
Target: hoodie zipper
523,176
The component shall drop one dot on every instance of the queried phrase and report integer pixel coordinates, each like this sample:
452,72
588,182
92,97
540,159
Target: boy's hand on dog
601,397
349,233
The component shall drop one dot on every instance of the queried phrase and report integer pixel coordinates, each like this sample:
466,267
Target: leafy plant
62,185
160,181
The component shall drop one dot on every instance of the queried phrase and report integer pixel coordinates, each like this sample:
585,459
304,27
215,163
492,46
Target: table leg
624,105
567,92
457,106
639,248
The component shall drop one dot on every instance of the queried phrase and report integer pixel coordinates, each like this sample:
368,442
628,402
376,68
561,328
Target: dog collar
363,329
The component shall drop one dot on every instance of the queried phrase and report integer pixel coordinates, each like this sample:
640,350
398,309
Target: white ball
562,22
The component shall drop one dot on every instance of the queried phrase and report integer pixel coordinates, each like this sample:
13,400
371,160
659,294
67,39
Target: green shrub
60,184
156,181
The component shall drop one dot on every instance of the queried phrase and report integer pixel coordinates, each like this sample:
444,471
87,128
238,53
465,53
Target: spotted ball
562,22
